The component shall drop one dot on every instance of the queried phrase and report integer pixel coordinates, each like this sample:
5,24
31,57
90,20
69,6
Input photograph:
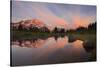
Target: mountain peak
34,22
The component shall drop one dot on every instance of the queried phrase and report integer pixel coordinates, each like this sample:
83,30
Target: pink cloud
48,17
79,21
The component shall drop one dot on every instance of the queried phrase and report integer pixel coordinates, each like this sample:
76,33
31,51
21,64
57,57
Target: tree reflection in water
36,43
50,50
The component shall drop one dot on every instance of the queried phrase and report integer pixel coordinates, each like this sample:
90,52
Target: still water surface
47,51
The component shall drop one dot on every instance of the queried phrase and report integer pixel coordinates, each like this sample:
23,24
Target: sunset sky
53,14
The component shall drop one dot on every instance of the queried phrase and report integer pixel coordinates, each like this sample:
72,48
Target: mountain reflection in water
48,51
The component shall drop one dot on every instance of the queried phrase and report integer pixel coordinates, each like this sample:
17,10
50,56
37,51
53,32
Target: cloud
78,21
67,16
48,17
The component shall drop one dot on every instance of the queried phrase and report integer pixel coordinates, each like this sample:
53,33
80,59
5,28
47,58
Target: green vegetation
15,34
87,35
35,32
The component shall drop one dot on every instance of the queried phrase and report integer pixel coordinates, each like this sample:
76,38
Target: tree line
91,27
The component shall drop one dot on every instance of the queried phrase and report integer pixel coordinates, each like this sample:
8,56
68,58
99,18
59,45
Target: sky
67,16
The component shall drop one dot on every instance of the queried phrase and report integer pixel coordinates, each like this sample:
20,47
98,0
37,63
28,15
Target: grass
32,35
29,34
